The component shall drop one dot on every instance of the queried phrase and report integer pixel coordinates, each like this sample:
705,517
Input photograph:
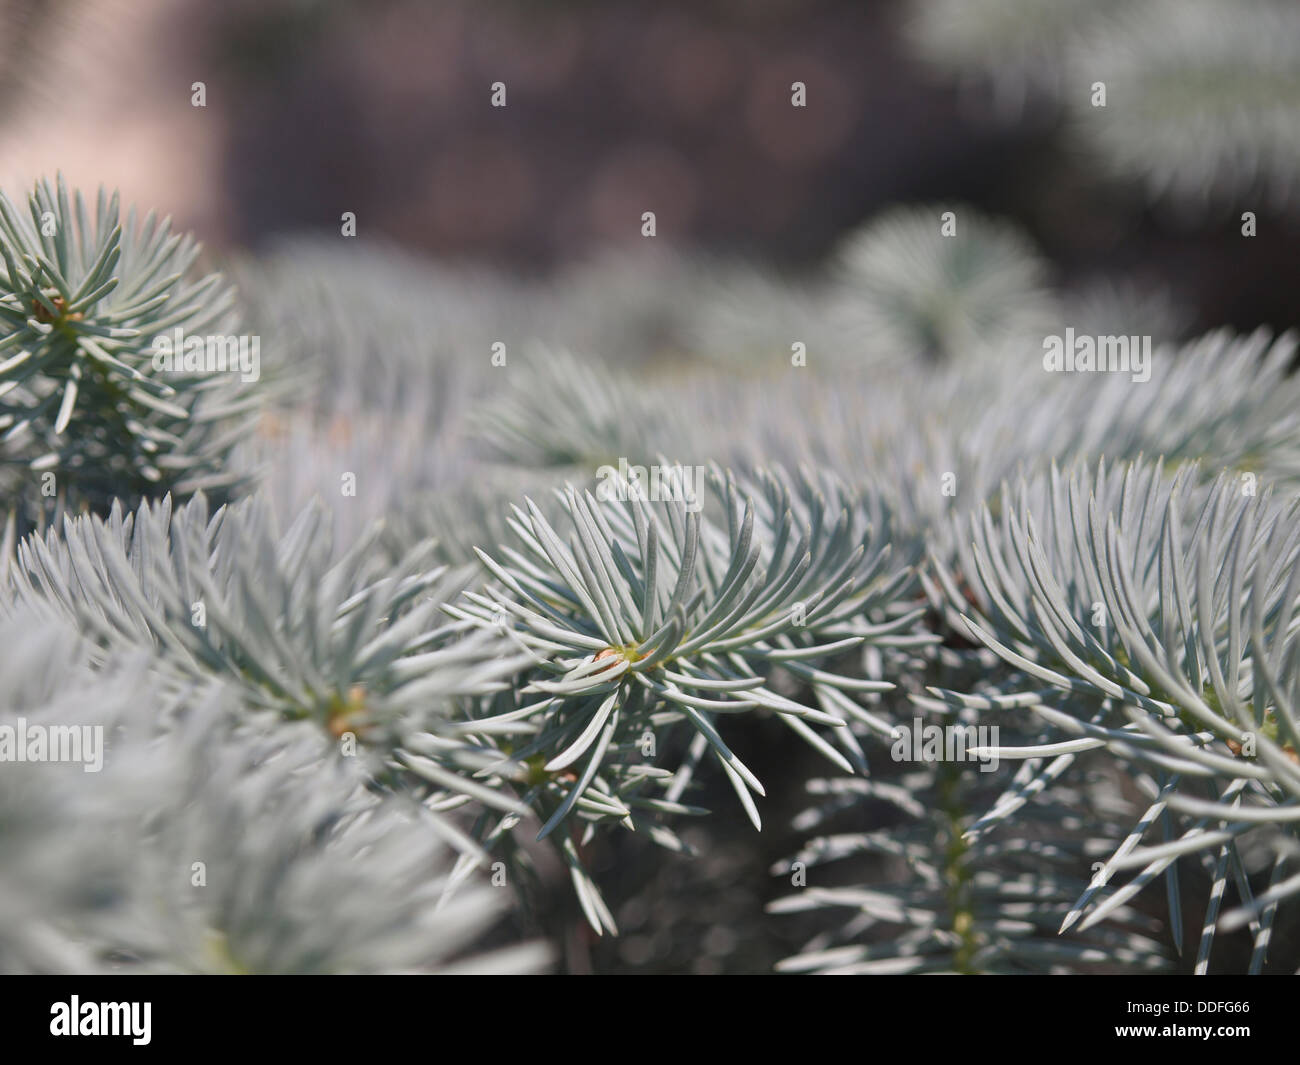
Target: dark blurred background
383,108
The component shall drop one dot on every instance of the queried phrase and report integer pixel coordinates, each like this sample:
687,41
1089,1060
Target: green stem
957,874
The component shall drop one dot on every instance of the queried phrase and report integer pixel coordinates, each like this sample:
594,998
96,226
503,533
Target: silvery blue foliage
559,411
83,295
210,841
663,613
944,902
456,618
351,641
1200,94
921,291
1200,99
1016,45
1153,616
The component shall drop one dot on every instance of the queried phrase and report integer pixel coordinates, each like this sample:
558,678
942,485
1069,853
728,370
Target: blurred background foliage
382,108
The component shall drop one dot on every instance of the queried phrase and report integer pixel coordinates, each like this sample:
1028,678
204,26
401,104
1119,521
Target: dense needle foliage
403,653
